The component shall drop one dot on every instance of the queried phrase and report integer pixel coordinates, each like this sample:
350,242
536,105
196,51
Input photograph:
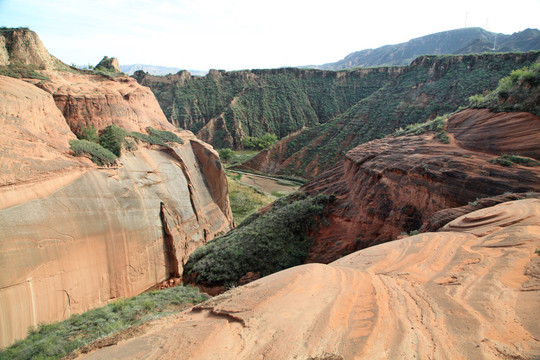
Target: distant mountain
460,41
157,70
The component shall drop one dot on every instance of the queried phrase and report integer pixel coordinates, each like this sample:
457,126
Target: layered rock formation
393,185
75,236
468,292
22,46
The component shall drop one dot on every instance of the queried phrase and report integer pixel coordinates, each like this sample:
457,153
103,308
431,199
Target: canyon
76,235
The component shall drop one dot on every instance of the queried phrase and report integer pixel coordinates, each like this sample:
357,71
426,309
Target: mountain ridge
458,41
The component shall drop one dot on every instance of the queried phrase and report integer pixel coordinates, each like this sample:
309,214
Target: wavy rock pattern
468,292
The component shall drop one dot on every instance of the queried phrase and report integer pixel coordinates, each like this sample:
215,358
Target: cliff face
224,107
389,186
429,87
86,100
470,292
75,236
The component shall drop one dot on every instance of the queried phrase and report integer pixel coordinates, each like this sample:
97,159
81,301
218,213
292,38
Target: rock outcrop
109,64
468,292
75,236
22,46
393,185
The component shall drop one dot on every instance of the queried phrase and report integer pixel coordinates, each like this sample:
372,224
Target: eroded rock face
75,236
470,292
86,100
25,47
393,185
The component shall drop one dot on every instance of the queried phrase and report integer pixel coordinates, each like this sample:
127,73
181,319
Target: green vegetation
54,341
225,155
509,160
97,153
244,199
515,92
264,243
431,87
259,143
112,138
105,149
437,126
19,70
88,133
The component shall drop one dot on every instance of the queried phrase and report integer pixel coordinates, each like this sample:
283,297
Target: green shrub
259,143
19,70
165,136
509,160
261,243
54,341
112,139
88,133
98,153
225,154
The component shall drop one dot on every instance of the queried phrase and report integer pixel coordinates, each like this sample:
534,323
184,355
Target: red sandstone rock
75,236
393,185
470,292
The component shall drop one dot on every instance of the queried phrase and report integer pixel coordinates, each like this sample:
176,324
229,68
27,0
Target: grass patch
437,126
264,243
54,341
509,160
244,199
19,70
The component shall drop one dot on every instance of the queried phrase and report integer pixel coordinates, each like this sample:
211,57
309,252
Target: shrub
112,139
88,133
509,160
98,153
165,136
259,143
261,243
225,154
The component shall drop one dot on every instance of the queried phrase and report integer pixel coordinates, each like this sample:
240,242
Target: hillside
459,41
224,107
429,87
77,233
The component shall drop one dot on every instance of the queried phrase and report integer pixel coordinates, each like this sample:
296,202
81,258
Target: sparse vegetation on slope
54,341
518,91
263,243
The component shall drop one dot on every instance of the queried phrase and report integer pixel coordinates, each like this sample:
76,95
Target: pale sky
248,34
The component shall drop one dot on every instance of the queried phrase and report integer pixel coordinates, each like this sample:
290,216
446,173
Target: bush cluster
97,153
259,143
509,160
264,243
437,126
113,139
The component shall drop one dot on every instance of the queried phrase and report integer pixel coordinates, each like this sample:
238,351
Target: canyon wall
74,235
391,186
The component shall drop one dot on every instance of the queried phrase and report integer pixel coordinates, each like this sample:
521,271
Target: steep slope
431,86
383,189
389,186
224,107
469,292
459,41
75,235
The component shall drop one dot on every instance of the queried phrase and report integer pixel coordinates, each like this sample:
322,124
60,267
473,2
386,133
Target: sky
248,34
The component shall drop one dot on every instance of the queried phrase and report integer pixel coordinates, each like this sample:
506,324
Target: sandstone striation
75,236
469,292
393,185
100,101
